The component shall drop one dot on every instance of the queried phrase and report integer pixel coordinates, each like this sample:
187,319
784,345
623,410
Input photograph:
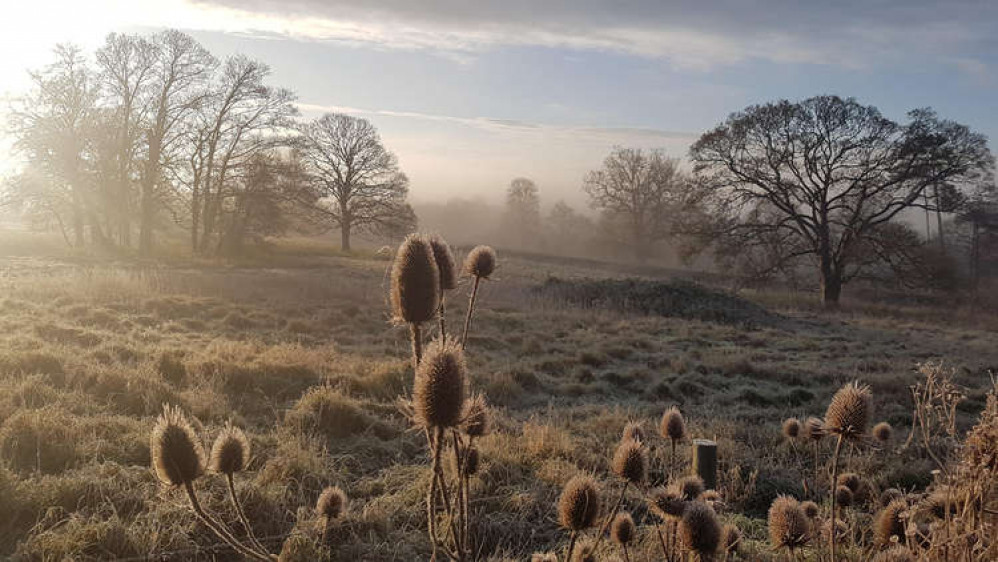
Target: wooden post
705,462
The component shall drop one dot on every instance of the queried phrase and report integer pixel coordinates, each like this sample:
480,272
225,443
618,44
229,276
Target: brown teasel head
789,526
673,425
666,503
177,454
843,496
699,530
579,504
331,504
230,452
732,538
622,528
883,432
889,522
848,414
791,428
441,384
633,431
476,420
446,265
415,293
813,429
481,262
690,487
630,462
810,509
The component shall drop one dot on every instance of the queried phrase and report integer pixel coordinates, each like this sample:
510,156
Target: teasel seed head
673,426
622,529
849,412
883,432
476,419
690,487
481,262
843,496
177,454
936,503
584,551
732,538
713,499
230,452
813,429
850,480
440,385
791,428
810,509
445,263
415,292
634,431
699,530
579,504
895,554
889,522
889,495
630,462
666,503
789,526
331,504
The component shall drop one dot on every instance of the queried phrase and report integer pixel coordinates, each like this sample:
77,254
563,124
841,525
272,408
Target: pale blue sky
471,94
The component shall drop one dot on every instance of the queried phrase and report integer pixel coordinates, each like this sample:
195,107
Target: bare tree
640,190
828,172
181,69
354,173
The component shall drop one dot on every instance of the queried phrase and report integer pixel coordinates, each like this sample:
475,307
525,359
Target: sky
472,94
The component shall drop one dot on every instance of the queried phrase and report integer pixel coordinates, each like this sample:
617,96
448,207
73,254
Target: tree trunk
345,235
146,219
831,284
78,222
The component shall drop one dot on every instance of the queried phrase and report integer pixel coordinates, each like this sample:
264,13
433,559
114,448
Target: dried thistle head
896,554
331,504
634,431
445,263
622,529
791,428
579,504
789,526
843,496
939,501
699,530
481,262
690,487
440,385
666,502
630,462
673,425
415,292
883,432
713,499
813,429
889,495
584,551
476,419
732,538
889,522
177,453
230,452
850,480
810,509
849,412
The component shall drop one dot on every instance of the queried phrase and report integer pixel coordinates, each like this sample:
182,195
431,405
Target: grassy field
302,355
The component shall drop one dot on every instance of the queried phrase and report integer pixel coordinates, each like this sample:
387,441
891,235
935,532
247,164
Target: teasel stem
571,546
443,317
416,333
220,529
835,476
461,514
672,459
613,513
661,540
431,495
230,480
471,310
439,486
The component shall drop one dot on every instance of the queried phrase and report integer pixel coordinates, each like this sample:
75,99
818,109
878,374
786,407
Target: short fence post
705,462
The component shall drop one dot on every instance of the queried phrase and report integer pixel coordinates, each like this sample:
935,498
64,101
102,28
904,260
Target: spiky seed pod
445,263
544,557
713,499
848,413
177,454
896,554
230,452
415,292
843,496
699,530
936,503
889,523
673,425
630,462
864,493
690,487
791,428
813,429
622,529
579,504
732,538
331,504
850,480
789,526
889,495
810,509
471,461
633,431
481,262
440,386
476,419
666,503
584,551
883,432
